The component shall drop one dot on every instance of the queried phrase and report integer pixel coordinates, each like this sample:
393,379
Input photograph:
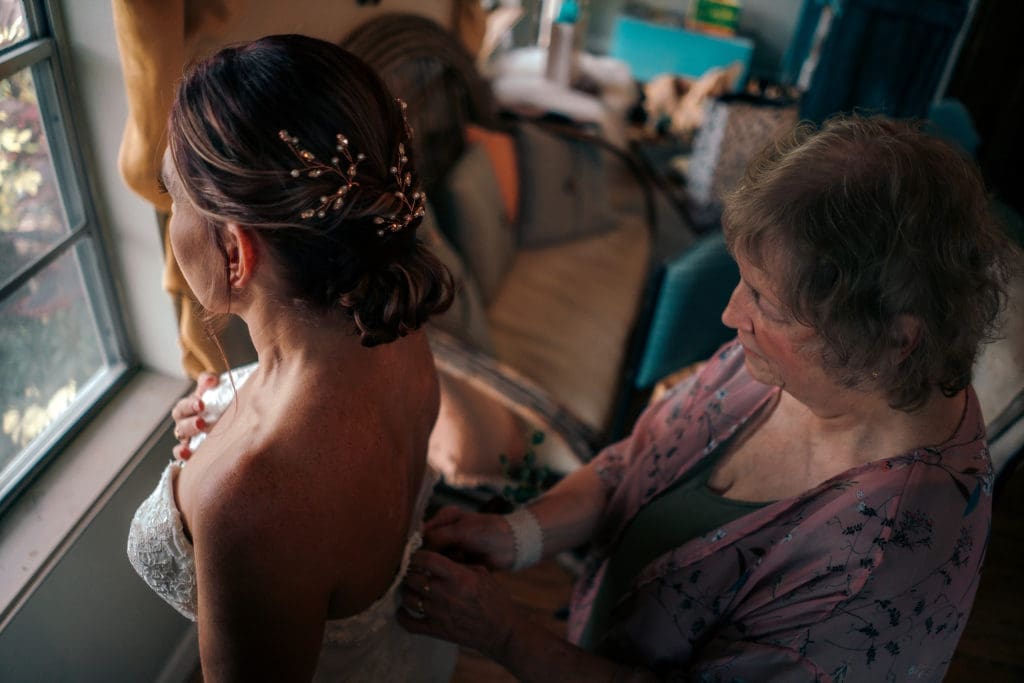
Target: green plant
528,479
48,341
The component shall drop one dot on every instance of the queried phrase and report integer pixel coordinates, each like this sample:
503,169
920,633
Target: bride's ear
243,254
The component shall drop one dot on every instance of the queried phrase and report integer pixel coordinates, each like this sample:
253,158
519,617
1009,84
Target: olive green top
681,513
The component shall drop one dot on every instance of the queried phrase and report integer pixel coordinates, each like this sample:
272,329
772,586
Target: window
62,345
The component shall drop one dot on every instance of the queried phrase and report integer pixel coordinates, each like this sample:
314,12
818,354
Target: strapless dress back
369,646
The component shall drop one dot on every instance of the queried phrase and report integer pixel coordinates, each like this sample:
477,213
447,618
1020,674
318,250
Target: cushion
501,148
466,319
563,188
564,316
489,410
475,220
472,431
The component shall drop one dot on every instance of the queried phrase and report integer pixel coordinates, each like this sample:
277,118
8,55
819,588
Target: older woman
813,504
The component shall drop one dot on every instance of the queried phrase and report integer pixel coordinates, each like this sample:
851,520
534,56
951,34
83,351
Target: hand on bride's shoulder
187,415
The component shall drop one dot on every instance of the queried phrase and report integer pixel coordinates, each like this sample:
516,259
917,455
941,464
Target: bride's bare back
332,458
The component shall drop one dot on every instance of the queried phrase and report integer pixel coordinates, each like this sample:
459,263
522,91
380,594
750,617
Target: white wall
129,222
771,24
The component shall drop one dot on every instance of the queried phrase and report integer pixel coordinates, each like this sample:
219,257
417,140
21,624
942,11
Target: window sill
45,521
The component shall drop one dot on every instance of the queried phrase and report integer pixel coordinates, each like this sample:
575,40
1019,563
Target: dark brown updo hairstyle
223,134
866,219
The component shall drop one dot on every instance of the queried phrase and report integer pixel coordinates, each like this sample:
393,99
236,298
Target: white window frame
41,53
46,519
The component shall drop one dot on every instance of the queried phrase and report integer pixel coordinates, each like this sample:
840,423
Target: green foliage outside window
48,341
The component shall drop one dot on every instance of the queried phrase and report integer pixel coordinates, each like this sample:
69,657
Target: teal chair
684,322
949,119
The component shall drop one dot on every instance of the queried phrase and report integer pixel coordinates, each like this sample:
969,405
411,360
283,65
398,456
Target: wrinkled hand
459,603
187,415
471,537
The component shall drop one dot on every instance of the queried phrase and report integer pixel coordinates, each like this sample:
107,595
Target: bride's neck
284,334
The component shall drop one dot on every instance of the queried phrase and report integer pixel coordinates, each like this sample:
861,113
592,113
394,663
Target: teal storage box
651,49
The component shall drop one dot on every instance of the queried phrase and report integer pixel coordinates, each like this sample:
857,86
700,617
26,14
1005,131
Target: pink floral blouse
868,577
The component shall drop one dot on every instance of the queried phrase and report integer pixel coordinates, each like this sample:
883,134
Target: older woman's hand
465,605
471,537
187,415
459,603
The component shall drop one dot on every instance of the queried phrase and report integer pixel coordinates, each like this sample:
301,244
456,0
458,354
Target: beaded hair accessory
345,167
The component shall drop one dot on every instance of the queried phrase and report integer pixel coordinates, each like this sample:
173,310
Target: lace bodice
159,549
367,646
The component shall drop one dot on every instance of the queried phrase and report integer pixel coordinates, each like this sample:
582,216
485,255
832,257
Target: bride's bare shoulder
259,511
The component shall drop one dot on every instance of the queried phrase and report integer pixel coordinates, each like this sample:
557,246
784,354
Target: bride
295,208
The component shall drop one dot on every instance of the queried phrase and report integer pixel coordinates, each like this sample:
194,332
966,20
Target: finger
415,604
186,407
436,565
206,380
446,536
182,452
414,624
183,408
417,586
186,428
446,515
196,425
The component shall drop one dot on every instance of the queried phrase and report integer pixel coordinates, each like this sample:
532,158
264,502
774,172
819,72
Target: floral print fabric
869,576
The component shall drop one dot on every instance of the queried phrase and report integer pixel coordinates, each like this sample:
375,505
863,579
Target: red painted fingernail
198,405
200,424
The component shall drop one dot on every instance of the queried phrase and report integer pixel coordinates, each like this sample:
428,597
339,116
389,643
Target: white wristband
527,536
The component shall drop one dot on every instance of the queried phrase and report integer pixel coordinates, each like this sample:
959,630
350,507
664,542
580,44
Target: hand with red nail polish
187,415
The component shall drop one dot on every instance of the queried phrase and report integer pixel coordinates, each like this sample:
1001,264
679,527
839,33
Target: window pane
50,352
13,27
32,217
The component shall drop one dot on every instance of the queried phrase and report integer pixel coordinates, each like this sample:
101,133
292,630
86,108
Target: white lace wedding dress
369,646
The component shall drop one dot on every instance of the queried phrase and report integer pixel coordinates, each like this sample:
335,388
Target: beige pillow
474,219
466,319
472,432
487,411
563,189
